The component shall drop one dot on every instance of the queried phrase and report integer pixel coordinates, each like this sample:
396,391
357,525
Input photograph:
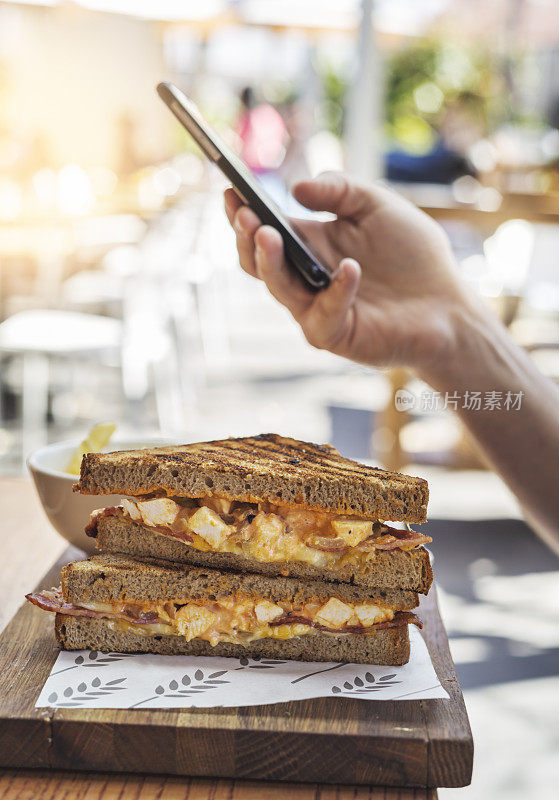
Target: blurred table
439,202
28,547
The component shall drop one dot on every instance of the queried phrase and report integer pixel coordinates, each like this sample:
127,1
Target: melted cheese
237,619
263,532
279,632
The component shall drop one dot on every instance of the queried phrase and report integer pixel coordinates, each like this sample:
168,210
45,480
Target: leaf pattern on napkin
259,663
199,682
365,684
95,659
71,697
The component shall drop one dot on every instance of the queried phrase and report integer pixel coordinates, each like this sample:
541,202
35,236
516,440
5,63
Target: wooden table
27,547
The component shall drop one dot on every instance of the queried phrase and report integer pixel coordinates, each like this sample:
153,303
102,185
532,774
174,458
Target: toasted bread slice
385,647
267,467
108,578
390,569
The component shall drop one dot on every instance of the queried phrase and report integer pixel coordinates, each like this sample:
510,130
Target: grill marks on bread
267,467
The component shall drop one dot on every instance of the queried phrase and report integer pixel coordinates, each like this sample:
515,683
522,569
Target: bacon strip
292,619
182,536
408,543
347,629
388,541
53,601
397,538
92,525
400,618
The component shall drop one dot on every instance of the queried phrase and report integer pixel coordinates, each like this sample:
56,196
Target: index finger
232,203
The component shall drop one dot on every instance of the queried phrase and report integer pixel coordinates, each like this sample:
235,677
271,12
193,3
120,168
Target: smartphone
299,253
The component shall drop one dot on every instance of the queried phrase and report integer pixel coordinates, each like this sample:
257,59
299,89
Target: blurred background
121,297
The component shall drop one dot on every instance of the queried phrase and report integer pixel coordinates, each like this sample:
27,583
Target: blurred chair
150,356
157,306
205,268
37,336
392,420
93,291
148,286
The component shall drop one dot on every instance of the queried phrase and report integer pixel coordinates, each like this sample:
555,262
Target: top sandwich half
266,468
267,505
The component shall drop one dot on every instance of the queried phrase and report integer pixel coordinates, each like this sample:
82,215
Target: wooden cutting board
426,743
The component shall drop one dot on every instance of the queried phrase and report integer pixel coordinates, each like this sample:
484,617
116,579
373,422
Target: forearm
516,427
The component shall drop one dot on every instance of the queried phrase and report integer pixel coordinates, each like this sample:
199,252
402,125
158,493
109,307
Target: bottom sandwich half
387,647
119,604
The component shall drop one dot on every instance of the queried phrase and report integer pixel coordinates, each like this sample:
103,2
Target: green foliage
331,110
424,79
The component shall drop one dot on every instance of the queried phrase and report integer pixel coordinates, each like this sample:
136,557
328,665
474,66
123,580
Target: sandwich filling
264,531
237,619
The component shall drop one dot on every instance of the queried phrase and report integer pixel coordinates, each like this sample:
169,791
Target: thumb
335,192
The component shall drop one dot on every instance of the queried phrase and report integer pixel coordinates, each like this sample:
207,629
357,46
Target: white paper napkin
115,680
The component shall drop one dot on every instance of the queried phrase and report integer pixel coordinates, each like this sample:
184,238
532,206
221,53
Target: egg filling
236,618
266,532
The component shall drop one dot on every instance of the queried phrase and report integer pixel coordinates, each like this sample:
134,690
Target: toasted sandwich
265,504
117,603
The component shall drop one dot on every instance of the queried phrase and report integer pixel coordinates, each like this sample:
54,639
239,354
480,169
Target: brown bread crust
261,468
391,569
116,577
387,647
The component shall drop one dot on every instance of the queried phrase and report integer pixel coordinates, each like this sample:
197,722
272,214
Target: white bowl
69,511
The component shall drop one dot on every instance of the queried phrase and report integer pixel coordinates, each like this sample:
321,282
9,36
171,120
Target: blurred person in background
263,140
447,160
397,299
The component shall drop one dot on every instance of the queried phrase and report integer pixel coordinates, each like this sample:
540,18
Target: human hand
395,292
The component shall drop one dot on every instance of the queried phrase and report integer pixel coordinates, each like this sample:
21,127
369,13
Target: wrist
469,341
